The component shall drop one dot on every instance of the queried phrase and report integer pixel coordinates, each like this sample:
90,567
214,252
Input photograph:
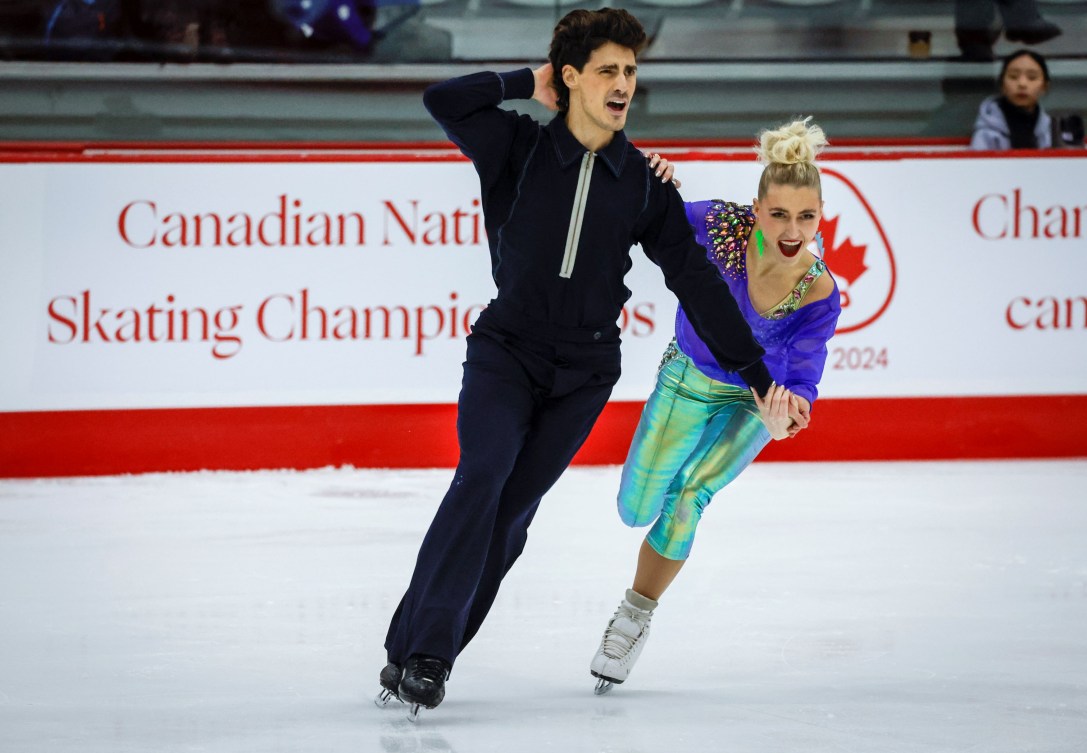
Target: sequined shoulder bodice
728,226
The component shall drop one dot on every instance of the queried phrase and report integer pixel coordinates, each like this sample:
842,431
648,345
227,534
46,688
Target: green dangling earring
760,241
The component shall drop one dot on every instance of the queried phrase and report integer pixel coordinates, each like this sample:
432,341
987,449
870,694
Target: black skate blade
604,684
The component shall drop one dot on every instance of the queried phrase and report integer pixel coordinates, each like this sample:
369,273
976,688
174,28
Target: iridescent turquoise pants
695,436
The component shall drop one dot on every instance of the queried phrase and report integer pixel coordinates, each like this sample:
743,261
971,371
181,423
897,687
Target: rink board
173,309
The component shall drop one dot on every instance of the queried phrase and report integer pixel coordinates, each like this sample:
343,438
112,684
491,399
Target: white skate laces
624,637
626,629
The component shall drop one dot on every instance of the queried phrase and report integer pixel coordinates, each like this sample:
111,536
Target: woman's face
1024,82
789,217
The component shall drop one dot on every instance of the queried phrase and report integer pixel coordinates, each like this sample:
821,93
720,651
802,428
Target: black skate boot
423,683
390,685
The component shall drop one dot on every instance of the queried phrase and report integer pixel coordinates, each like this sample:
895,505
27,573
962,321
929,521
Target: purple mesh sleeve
807,348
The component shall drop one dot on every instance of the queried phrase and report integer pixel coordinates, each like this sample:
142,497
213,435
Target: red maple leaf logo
846,261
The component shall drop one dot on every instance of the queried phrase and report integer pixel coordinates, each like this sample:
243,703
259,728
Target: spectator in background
976,30
1015,119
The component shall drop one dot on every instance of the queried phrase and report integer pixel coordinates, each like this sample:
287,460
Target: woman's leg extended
733,439
655,573
672,421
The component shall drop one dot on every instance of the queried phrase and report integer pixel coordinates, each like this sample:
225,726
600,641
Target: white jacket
991,128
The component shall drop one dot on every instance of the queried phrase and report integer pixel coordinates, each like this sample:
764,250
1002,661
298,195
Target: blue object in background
344,21
83,19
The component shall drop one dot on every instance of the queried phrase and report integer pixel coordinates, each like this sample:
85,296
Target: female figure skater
701,426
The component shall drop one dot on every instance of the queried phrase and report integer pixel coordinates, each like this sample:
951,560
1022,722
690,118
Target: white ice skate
623,640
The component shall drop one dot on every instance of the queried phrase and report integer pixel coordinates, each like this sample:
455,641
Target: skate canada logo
857,253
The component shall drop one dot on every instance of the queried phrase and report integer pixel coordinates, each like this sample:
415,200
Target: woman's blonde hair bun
790,144
788,153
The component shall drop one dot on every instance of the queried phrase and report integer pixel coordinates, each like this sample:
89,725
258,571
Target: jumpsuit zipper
577,216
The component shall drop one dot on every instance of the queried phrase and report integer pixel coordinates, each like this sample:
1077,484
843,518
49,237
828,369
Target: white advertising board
168,284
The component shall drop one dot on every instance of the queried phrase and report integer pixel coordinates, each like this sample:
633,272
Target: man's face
601,92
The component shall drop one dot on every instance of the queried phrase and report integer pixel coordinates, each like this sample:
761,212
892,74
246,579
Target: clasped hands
784,414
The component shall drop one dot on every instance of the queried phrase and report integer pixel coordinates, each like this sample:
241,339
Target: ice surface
868,608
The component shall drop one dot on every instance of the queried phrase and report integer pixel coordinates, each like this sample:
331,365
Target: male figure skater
563,203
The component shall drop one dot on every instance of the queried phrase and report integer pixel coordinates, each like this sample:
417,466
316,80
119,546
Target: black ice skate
390,685
423,683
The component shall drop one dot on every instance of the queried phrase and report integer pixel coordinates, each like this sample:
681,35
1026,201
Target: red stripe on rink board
382,152
106,442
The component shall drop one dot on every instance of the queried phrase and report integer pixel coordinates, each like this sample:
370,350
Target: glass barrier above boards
422,31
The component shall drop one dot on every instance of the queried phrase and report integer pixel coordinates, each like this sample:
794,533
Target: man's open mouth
617,105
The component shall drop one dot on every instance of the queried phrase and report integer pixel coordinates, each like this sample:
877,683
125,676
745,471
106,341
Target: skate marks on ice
402,736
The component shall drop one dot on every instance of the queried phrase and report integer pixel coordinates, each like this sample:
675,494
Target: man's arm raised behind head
467,109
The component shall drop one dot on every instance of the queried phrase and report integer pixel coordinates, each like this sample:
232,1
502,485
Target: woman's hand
800,413
774,411
545,92
662,168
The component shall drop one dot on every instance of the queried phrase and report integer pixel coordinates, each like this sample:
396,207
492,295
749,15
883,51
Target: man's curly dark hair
582,31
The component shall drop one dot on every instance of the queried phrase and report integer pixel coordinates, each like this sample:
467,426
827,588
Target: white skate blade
603,686
413,713
384,698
